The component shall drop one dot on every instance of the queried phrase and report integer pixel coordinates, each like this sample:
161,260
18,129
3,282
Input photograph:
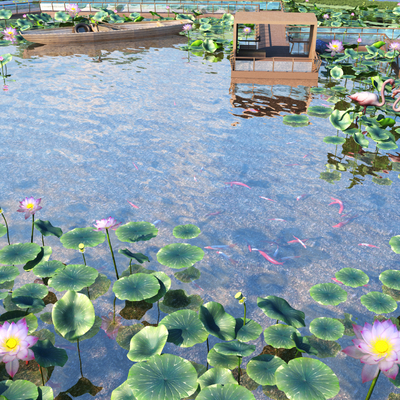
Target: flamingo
395,103
371,99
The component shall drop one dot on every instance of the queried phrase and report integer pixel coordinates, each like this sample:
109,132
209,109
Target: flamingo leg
365,109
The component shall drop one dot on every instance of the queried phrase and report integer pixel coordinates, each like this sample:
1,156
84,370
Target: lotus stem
115,298
41,373
130,266
8,234
112,253
244,317
158,310
208,350
42,240
33,226
27,310
277,321
79,355
239,362
371,388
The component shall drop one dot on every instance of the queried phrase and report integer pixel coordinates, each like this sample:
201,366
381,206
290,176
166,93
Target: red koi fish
237,183
266,198
301,197
198,286
268,258
337,201
195,179
228,258
336,280
343,223
296,241
135,166
214,213
368,245
132,204
300,241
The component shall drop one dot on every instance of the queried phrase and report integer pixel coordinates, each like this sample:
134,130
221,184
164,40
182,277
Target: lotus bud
1,210
81,247
239,296
241,301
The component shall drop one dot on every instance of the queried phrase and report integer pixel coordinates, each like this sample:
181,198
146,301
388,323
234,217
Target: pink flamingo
395,103
371,99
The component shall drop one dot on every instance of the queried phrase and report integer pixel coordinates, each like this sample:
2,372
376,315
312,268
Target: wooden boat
107,32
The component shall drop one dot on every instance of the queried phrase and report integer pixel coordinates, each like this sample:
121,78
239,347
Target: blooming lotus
326,16
109,223
335,46
359,40
352,14
29,206
247,30
14,345
110,325
394,46
73,8
378,347
187,27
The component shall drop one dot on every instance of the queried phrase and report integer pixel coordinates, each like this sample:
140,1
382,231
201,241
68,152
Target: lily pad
280,336
47,229
135,309
262,368
19,253
327,328
47,269
47,355
361,140
319,111
19,389
123,392
377,134
334,140
328,294
279,309
188,231
188,275
73,277
395,244
5,14
225,392
136,232
98,288
296,120
93,331
214,376
339,120
3,230
87,236
165,283
219,360
336,72
126,333
15,316
62,16
390,278
325,348
31,290
379,303
352,277
387,145
136,287
317,90
179,255
139,257
35,304
44,254
175,300
235,348
251,331
8,273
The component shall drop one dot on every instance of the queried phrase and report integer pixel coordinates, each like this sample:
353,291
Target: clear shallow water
72,129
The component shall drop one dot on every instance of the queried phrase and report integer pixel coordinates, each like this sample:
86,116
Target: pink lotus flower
24,16
29,206
394,46
14,345
110,327
1,58
115,11
352,14
187,27
73,8
378,347
335,46
326,16
247,30
10,33
109,223
167,7
359,40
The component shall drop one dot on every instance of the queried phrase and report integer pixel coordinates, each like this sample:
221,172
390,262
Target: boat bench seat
251,53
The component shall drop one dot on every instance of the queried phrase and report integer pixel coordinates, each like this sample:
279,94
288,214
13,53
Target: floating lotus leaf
126,333
163,377
327,328
185,328
361,140
147,343
251,331
328,294
116,19
214,376
15,316
47,229
5,14
24,24
73,277
274,393
340,89
296,120
352,277
3,230
32,290
45,393
394,294
377,134
336,72
165,283
279,309
262,368
280,336
62,16
123,392
98,288
93,331
175,300
8,273
219,360
319,111
350,131
136,232
44,254
47,269
139,257
136,287
235,348
391,279
179,255
325,348
87,236
19,389
379,303
387,145
188,275
46,355
188,231
19,253
334,140
217,322
339,120
135,309
73,315
45,334
225,392
32,303
100,15
395,244
306,378
385,122
134,269
317,90
351,53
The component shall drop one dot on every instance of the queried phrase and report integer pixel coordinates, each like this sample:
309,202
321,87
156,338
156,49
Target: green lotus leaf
188,275
73,315
216,321
334,140
188,231
3,295
46,318
235,348
319,111
35,304
44,255
136,232
19,253
214,376
225,392
219,360
352,277
244,333
377,134
136,287
47,229
336,72
209,45
165,283
139,257
197,43
350,131
296,120
176,300
116,19
325,348
390,278
32,290
47,269
361,140
387,145
93,331
279,309
379,303
262,368
24,24
163,377
45,393
5,14
394,294
136,268
185,328
306,378
395,244
328,294
62,16
327,328
19,389
205,27
3,230
8,273
123,392
126,333
73,277
147,343
280,336
179,255
47,355
15,316
317,90
385,122
352,53
98,288
100,15
339,120
6,57
45,334
87,236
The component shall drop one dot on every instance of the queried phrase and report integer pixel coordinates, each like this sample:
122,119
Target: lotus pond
249,225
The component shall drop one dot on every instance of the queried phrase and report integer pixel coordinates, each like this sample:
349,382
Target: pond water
72,130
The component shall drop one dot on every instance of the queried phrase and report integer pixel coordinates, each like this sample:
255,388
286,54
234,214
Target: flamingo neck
383,92
395,104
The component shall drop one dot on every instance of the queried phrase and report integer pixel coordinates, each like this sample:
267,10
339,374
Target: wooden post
313,42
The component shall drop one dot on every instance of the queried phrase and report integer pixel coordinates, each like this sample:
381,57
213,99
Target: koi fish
174,104
266,198
157,222
307,155
292,142
300,241
201,169
198,286
296,241
249,247
343,223
276,252
268,258
276,219
195,179
132,204
228,258
289,257
237,183
251,110
336,280
222,246
214,213
135,166
301,197
337,201
368,245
